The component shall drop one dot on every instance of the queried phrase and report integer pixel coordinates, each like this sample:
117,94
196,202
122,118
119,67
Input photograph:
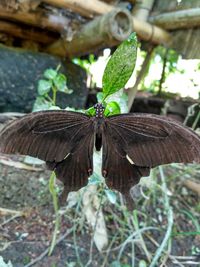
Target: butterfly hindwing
74,170
120,174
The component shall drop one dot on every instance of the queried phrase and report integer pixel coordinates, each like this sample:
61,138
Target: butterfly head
99,110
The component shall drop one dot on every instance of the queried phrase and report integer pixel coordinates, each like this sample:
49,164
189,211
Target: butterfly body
131,144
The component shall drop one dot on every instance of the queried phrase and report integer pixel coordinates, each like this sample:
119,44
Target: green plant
117,73
168,59
53,82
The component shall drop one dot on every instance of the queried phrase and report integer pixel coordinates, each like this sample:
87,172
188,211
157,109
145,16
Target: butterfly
132,144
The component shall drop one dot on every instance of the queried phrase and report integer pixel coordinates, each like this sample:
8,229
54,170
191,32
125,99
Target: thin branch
133,90
169,211
162,78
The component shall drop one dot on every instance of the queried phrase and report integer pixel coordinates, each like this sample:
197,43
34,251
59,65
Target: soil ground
25,238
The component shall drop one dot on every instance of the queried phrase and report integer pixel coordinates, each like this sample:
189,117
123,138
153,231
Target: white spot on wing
129,159
67,156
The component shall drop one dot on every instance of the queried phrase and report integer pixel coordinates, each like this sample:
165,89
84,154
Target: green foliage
112,108
85,63
118,264
120,66
44,87
168,58
90,111
47,89
111,195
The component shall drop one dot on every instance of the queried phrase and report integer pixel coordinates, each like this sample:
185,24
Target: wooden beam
145,30
86,8
104,31
27,5
48,21
187,18
151,33
30,34
142,9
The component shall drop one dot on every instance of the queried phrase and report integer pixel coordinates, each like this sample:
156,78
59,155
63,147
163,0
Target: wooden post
107,30
187,18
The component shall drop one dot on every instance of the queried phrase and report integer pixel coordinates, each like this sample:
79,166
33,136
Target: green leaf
54,108
120,66
118,264
90,111
142,263
41,104
60,83
112,108
75,110
111,195
99,97
50,74
44,87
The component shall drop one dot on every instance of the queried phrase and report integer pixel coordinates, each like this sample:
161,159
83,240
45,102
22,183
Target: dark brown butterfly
132,144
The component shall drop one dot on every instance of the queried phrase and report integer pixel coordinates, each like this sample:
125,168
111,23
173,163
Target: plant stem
194,125
162,79
169,211
54,90
49,98
53,192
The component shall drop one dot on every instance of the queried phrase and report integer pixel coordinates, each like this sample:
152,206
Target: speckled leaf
120,66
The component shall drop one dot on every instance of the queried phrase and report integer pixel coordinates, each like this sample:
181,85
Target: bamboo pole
145,30
142,8
107,30
56,23
87,8
47,21
30,34
151,33
178,19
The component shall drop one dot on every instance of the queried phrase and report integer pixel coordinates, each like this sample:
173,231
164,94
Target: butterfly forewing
151,140
48,135
63,139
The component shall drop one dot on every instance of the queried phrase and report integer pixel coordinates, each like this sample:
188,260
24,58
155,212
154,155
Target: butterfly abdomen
98,142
